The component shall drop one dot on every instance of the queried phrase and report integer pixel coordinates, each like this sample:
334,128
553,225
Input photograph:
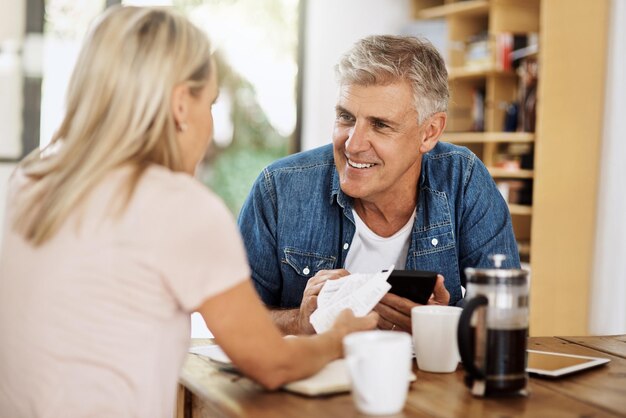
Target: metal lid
496,276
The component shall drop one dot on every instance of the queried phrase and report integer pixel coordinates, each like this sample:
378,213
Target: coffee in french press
493,330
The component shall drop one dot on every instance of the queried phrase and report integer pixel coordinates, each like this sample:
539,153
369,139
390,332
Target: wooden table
207,392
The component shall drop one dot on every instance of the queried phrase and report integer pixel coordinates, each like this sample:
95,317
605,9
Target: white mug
434,337
379,365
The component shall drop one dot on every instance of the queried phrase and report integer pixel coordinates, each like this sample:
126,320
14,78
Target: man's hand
309,297
440,295
395,311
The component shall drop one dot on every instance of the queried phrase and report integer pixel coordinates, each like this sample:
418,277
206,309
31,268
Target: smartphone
546,363
415,285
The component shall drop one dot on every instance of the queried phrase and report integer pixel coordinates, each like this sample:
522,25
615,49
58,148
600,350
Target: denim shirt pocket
307,264
435,250
434,243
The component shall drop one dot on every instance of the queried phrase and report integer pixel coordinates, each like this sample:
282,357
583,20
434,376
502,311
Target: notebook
333,378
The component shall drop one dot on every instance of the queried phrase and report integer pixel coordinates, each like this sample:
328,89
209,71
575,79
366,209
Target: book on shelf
516,192
511,117
504,47
510,47
514,156
528,71
478,109
477,52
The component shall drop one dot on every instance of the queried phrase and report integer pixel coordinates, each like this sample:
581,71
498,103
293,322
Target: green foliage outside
230,171
232,174
267,27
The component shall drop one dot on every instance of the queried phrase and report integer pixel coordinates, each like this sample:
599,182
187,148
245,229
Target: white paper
358,292
213,351
330,290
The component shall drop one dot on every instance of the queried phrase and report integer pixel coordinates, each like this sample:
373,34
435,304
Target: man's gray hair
385,59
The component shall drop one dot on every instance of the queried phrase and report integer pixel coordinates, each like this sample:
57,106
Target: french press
493,330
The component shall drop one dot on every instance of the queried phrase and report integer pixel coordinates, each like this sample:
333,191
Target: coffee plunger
493,330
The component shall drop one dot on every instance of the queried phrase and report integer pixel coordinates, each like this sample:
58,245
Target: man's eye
380,125
345,117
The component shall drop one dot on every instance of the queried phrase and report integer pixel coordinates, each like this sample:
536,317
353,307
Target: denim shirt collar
343,199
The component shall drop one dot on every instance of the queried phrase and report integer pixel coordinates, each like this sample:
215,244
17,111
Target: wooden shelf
524,248
464,8
477,137
477,81
468,73
510,174
520,209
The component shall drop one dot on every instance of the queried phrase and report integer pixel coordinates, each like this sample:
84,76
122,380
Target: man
386,192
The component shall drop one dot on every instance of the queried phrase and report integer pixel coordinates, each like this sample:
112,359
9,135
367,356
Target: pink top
95,322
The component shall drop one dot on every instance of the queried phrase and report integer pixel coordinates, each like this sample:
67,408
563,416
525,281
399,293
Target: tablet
546,363
415,285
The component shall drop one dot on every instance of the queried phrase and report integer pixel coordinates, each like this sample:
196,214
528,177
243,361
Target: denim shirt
297,221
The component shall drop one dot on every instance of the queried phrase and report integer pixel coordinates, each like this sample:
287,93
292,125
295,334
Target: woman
110,243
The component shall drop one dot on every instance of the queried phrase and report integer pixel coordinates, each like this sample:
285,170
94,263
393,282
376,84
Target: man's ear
432,130
180,104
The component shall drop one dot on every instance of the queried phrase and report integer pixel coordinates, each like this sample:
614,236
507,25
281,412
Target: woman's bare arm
244,329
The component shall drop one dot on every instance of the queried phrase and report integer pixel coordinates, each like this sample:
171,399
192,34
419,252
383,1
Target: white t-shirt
370,252
95,322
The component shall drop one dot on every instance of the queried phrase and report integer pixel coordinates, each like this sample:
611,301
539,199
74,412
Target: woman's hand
347,323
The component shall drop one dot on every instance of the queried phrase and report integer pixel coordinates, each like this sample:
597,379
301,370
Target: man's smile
354,164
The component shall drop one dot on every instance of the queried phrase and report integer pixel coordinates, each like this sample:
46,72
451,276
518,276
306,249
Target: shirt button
434,241
345,246
306,270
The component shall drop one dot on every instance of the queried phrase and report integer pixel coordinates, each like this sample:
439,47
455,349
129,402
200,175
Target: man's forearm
288,321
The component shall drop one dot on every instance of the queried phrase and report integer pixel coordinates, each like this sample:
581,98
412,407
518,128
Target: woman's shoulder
164,183
177,191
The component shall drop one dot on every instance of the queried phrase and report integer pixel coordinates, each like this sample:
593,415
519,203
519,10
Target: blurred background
256,113
537,93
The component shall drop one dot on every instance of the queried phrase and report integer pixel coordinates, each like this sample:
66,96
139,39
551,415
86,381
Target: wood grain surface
601,392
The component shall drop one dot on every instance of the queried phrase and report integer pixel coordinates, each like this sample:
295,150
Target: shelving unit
523,210
572,68
510,174
478,137
465,8
477,73
467,19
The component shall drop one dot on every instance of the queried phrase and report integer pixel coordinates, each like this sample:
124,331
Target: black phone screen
415,285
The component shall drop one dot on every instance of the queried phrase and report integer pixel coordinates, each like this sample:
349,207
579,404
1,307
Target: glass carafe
493,330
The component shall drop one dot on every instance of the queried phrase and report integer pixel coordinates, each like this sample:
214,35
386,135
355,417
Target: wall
12,23
12,18
331,28
5,172
608,290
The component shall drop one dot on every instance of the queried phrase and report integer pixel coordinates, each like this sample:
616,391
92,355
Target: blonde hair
118,112
383,59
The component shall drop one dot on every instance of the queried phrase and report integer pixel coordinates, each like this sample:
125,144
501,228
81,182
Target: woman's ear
433,128
180,106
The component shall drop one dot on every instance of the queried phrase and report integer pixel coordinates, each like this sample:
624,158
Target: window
256,49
